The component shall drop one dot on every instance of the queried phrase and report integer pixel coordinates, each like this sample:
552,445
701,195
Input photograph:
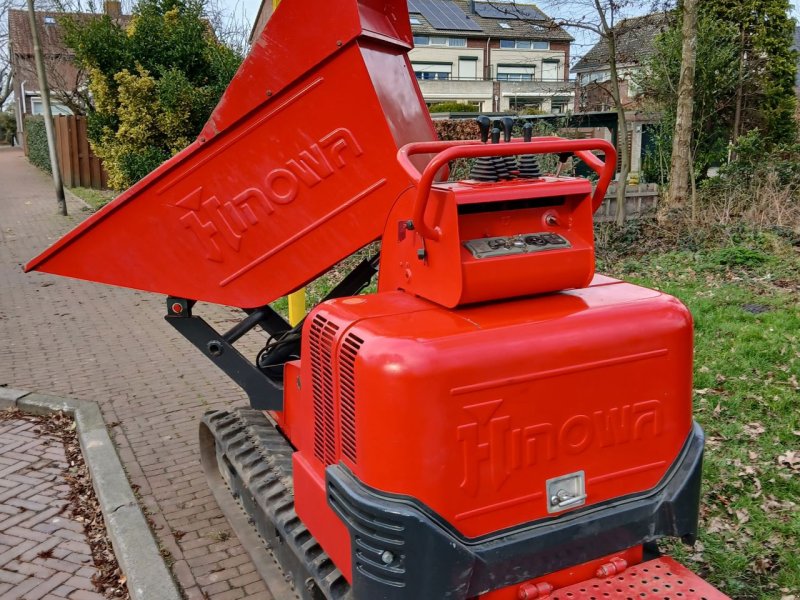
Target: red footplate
661,578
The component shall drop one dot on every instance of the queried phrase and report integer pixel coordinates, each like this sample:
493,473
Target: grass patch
96,199
742,288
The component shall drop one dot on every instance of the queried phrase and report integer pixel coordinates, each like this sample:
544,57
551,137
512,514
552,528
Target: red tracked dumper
495,422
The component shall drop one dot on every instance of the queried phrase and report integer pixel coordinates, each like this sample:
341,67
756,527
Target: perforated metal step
662,578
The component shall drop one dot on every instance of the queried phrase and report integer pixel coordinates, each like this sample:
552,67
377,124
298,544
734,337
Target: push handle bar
448,151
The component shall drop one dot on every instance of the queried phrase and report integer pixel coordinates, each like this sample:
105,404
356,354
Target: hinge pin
529,591
613,567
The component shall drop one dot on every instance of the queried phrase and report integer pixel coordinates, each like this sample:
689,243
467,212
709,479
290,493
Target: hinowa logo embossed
490,438
221,224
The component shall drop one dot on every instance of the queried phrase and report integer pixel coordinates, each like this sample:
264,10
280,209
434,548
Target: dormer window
505,26
415,21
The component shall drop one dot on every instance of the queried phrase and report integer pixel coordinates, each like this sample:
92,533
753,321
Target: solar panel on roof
510,11
442,14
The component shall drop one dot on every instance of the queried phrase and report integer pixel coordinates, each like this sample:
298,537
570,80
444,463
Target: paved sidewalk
43,553
109,345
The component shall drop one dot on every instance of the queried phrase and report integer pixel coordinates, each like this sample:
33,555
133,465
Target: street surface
112,346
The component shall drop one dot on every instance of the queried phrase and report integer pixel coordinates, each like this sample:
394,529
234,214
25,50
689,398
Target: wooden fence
79,166
640,199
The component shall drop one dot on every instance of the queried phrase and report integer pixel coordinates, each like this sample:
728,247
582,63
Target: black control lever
483,169
508,125
511,161
484,123
499,161
528,163
562,161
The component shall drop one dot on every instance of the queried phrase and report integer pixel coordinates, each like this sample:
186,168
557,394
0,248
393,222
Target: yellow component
297,301
275,4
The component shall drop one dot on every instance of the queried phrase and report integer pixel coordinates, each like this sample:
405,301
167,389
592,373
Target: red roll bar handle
448,151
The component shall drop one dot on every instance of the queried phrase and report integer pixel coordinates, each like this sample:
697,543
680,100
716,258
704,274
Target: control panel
516,244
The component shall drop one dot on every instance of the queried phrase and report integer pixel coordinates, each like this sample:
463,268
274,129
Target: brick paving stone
112,346
28,570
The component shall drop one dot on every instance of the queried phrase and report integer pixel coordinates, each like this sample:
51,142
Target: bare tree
682,160
230,23
5,53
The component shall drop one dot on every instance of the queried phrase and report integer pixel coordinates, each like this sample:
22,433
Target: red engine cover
472,410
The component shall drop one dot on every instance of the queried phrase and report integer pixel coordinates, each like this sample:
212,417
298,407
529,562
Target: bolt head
387,557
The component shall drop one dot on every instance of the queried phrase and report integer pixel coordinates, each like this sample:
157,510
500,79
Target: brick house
635,39
65,79
496,57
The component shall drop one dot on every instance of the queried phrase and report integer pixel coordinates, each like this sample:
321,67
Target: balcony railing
448,77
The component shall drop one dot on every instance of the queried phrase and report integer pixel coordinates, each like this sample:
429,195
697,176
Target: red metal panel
294,171
662,578
512,394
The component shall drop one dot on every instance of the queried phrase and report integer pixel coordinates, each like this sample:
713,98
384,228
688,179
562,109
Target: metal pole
44,92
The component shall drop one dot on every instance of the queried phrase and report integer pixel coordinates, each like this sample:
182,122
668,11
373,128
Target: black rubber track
248,464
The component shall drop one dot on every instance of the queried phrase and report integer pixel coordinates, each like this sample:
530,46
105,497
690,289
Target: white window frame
516,73
438,71
56,108
524,45
440,41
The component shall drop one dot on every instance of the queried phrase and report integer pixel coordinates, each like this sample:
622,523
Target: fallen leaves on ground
83,506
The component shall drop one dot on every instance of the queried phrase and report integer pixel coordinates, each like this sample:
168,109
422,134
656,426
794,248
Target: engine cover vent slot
321,342
347,394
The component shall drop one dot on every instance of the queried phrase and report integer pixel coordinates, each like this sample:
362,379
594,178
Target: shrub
8,126
36,137
451,107
153,83
739,256
456,129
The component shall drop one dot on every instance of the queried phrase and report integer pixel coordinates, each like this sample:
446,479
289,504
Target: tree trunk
681,143
737,117
622,134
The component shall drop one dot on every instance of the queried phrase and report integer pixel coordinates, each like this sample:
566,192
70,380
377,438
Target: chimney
113,8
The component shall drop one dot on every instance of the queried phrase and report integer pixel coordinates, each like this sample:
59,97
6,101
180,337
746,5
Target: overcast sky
247,9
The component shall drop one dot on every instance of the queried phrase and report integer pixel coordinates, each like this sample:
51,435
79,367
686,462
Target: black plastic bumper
402,550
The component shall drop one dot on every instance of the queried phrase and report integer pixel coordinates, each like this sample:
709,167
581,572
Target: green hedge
8,126
37,143
443,107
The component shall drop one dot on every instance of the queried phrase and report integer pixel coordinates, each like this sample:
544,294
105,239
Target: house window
415,21
468,68
56,108
598,76
515,73
432,40
550,70
524,45
427,71
49,20
517,103
559,105
505,25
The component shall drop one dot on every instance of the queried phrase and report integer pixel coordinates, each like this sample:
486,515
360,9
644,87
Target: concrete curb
148,577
